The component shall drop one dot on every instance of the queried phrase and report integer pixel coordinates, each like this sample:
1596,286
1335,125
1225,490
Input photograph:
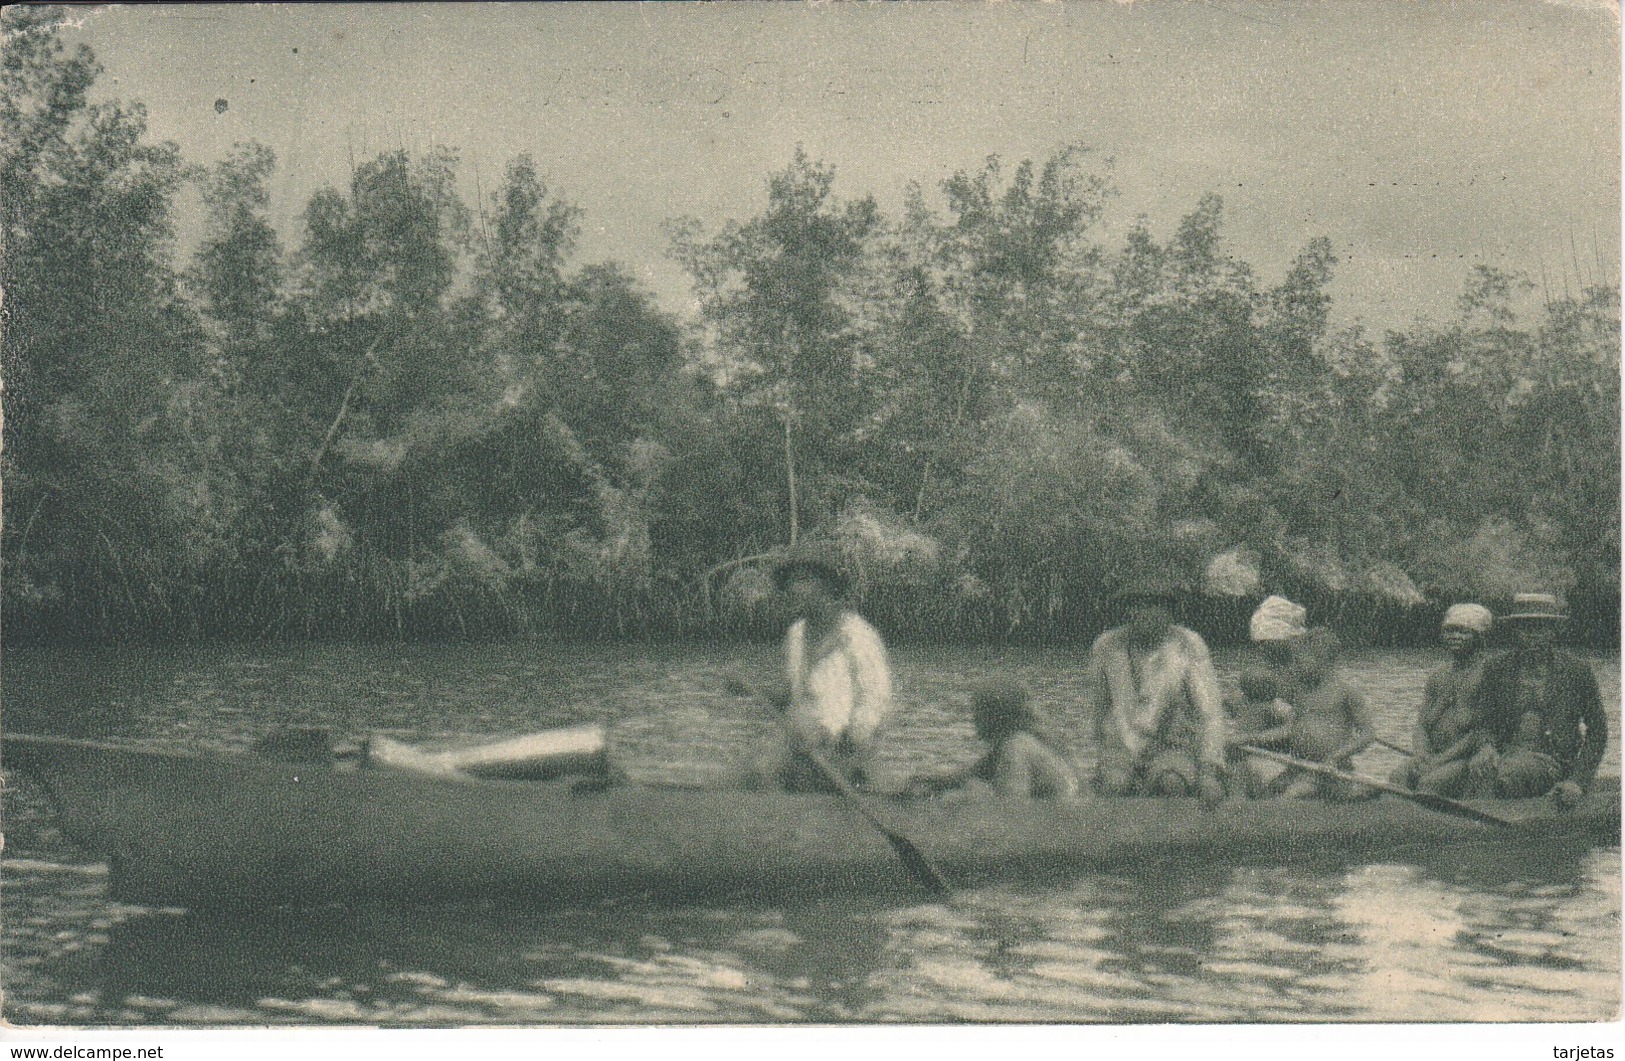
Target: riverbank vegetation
426,416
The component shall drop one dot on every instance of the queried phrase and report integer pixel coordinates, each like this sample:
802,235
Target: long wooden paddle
1442,804
1391,746
919,867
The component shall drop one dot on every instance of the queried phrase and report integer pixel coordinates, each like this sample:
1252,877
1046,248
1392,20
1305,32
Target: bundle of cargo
573,751
551,754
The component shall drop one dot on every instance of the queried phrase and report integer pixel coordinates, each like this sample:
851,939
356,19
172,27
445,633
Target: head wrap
1474,617
1278,619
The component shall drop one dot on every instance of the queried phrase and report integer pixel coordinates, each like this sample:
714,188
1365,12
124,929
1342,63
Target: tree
236,272
774,290
1018,266
102,373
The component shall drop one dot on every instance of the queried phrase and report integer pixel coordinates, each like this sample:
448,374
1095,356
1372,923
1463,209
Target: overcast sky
1422,138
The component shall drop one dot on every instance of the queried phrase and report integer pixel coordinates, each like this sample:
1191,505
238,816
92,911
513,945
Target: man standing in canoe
1543,710
837,688
1154,699
1450,730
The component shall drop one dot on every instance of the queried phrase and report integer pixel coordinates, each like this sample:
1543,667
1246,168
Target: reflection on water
1375,942
1466,932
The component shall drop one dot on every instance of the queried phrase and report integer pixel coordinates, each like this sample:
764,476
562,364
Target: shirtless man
1450,729
1262,719
1269,685
1331,723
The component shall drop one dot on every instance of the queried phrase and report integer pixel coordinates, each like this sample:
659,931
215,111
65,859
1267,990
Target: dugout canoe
192,829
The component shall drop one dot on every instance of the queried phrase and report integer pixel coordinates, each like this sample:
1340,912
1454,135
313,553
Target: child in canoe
1263,720
1331,722
1018,762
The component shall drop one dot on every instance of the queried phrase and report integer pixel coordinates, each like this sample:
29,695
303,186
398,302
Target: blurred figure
1261,719
1018,762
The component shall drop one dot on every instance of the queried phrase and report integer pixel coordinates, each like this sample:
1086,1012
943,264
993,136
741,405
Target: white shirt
842,684
1134,690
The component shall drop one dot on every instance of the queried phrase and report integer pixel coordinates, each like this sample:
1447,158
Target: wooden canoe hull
203,830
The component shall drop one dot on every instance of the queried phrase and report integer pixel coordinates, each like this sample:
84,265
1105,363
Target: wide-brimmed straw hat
1533,607
819,564
1158,588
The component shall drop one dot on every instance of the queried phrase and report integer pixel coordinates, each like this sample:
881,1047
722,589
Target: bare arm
1422,741
1362,727
1202,683
1589,758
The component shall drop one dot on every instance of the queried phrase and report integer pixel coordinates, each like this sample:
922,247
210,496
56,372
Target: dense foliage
426,417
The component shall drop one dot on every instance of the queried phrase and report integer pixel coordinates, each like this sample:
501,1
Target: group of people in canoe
1511,724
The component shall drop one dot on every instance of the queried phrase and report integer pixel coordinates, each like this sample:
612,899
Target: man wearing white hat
1542,709
1449,730
1277,630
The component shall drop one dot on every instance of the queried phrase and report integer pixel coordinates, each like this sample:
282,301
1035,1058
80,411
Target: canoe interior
192,829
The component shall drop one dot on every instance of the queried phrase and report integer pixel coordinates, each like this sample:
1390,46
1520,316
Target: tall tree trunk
790,351
790,475
925,483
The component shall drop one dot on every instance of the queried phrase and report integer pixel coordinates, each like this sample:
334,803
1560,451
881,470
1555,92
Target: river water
1460,933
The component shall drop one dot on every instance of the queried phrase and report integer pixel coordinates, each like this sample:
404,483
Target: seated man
1449,731
1542,709
1331,723
1154,699
1018,762
838,683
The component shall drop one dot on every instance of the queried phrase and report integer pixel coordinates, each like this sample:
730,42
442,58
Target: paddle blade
919,867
